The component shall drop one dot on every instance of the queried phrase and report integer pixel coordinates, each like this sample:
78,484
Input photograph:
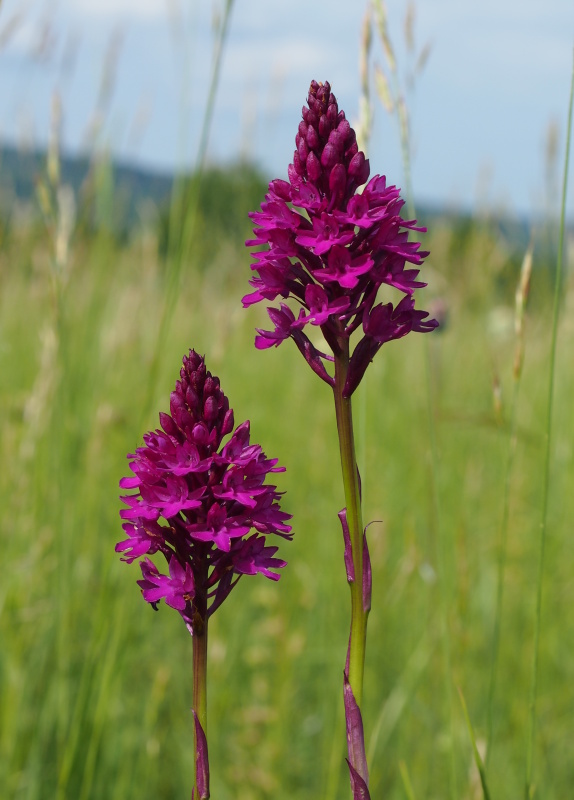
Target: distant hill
128,192
20,170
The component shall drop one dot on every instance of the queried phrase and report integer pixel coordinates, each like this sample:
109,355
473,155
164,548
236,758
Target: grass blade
477,757
546,473
522,293
407,785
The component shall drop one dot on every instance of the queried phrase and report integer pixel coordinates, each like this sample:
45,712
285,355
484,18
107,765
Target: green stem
199,687
546,474
358,636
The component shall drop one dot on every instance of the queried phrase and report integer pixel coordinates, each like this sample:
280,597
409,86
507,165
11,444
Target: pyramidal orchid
326,252
204,505
330,249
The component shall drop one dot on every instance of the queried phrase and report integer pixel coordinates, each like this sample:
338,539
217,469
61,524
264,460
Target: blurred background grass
95,689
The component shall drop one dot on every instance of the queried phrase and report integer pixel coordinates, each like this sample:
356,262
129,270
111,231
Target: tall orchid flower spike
327,252
206,508
330,249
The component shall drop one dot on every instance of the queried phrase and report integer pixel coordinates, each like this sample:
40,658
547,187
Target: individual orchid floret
329,248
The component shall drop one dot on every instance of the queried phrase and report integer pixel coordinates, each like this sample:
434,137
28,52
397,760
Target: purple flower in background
330,249
197,500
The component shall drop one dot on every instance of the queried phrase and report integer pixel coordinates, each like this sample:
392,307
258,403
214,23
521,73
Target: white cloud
139,9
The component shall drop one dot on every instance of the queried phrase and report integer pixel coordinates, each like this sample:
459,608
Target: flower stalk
200,784
358,575
199,696
359,615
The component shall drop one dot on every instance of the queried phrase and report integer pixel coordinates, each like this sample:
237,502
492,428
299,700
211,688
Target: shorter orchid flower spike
201,502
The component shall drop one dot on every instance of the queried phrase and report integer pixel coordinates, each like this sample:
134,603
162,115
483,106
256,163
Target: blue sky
497,76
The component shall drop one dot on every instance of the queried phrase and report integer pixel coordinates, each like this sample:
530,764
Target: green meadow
95,688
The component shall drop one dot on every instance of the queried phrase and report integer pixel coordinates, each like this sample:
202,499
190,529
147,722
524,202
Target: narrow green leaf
477,757
407,785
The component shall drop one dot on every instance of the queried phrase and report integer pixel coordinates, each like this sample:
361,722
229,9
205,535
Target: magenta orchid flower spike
330,251
206,507
330,248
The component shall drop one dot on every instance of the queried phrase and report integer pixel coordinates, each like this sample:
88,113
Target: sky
133,78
